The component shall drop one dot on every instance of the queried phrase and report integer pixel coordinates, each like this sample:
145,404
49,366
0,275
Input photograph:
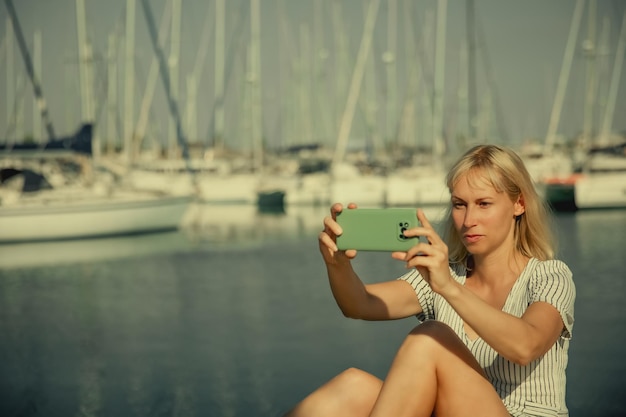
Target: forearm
512,337
347,288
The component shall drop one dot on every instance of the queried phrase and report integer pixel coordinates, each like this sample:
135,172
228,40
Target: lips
472,238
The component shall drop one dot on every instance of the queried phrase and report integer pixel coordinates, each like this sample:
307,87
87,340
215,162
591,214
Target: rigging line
165,77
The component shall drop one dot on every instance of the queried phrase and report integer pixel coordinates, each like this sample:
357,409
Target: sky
305,73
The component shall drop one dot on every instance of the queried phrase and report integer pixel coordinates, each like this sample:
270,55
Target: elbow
350,313
524,355
521,360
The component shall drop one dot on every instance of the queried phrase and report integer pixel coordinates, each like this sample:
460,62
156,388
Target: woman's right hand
328,238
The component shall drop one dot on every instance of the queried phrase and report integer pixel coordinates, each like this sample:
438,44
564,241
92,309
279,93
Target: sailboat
68,198
550,167
603,180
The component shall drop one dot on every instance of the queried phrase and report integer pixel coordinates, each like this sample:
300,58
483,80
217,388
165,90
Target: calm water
236,319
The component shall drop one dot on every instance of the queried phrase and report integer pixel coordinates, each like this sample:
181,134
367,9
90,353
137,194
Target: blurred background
495,66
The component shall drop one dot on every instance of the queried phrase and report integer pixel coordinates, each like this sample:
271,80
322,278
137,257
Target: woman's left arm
519,339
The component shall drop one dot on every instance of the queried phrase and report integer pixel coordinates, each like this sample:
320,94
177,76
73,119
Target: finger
401,256
421,216
431,234
421,261
332,227
352,205
336,208
327,241
421,249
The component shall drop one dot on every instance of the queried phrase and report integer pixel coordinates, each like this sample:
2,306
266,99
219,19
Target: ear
519,206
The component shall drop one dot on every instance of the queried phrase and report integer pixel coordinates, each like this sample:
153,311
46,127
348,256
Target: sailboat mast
255,78
153,76
615,76
389,58
111,93
563,77
37,127
471,67
220,39
85,59
129,79
85,56
195,75
590,50
440,61
355,84
10,68
43,106
174,71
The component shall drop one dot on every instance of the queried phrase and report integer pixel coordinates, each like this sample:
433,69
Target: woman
496,309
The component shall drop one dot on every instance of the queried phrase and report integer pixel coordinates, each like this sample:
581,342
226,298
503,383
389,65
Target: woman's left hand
430,258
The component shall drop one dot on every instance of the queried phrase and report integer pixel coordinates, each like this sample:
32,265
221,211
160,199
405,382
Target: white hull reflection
242,225
39,254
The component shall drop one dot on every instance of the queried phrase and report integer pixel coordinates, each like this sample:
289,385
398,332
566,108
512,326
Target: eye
458,204
484,204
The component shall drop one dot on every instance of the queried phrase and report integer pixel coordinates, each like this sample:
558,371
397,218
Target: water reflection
606,225
214,327
35,254
245,224
204,225
213,225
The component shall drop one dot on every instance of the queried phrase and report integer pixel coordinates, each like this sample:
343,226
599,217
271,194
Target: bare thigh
434,371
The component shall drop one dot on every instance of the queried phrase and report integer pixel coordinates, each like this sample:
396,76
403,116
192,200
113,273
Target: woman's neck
497,268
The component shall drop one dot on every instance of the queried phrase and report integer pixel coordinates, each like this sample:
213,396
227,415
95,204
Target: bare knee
356,386
350,393
353,377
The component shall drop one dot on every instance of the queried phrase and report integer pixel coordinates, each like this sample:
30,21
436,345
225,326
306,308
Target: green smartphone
374,229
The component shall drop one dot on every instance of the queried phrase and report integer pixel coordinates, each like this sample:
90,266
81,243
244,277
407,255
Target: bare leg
434,371
352,393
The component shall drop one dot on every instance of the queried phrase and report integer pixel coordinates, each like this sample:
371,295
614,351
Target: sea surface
234,317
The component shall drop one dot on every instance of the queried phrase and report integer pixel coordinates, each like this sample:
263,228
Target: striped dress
537,389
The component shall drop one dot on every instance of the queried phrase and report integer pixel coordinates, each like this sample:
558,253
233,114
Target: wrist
452,290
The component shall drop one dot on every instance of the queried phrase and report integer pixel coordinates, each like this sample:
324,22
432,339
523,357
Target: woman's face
483,217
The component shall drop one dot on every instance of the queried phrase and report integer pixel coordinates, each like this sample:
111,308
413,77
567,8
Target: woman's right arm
380,301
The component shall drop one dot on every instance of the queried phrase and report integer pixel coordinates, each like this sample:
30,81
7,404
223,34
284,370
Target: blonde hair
506,172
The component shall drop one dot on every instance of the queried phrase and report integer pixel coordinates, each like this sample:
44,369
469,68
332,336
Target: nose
470,217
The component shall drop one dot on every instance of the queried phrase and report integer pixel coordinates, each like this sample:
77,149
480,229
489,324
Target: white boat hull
73,220
601,190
